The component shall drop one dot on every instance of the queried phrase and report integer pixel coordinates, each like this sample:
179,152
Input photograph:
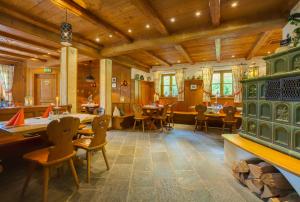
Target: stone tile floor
174,166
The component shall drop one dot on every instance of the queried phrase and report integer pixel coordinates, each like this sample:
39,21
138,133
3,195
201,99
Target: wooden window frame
162,86
222,72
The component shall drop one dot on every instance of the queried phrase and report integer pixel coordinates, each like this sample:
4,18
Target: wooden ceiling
178,31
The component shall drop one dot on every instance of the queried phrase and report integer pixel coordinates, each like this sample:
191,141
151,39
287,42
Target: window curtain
207,82
157,85
237,74
180,84
6,78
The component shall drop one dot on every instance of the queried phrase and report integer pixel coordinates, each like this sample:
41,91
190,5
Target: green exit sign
47,70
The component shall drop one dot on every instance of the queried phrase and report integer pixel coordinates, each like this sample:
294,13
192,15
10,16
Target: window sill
229,97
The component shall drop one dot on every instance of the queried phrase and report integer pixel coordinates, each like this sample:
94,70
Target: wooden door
45,89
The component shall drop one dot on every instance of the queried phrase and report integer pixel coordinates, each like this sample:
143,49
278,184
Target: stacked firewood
264,180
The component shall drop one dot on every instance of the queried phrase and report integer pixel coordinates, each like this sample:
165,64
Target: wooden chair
229,118
138,116
200,118
60,134
161,118
170,115
95,142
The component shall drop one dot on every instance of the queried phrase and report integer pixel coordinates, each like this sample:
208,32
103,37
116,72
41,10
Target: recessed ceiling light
178,61
97,39
269,52
172,19
233,56
147,26
197,13
234,4
48,53
129,30
110,36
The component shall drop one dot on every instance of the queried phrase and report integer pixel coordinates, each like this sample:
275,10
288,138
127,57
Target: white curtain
180,84
237,74
207,82
6,79
157,85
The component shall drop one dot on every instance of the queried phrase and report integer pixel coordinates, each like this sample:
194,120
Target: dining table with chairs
65,134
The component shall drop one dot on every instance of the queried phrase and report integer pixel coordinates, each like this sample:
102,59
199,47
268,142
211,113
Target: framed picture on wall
113,85
113,79
193,87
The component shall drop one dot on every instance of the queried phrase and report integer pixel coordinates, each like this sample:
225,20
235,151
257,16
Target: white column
105,85
68,77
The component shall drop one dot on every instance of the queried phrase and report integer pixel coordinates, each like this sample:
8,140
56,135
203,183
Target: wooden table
37,124
150,110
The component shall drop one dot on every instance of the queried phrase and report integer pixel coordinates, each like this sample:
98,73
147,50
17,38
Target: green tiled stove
271,104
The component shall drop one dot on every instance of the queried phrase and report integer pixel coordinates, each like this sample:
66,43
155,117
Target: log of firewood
255,185
242,166
243,177
292,197
276,180
263,167
269,192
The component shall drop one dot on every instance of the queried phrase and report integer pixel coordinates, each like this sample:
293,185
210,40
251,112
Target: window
168,85
222,83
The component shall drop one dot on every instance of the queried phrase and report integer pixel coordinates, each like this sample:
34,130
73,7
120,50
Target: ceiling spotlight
129,30
48,53
97,39
233,56
147,26
172,19
198,13
178,61
269,52
110,36
234,4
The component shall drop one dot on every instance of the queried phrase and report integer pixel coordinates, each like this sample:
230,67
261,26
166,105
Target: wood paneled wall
193,97
85,89
121,95
19,84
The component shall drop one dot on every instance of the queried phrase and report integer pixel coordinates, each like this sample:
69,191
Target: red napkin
17,119
46,113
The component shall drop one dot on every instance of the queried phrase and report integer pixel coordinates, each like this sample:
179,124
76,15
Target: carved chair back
137,110
99,127
60,134
230,112
200,109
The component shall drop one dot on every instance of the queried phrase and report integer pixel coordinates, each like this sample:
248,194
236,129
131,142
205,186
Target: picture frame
193,87
113,85
113,79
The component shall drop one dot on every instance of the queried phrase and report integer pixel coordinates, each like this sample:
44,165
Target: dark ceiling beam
183,52
26,50
75,8
20,14
17,55
225,30
215,12
9,21
128,62
146,8
262,40
9,59
154,57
